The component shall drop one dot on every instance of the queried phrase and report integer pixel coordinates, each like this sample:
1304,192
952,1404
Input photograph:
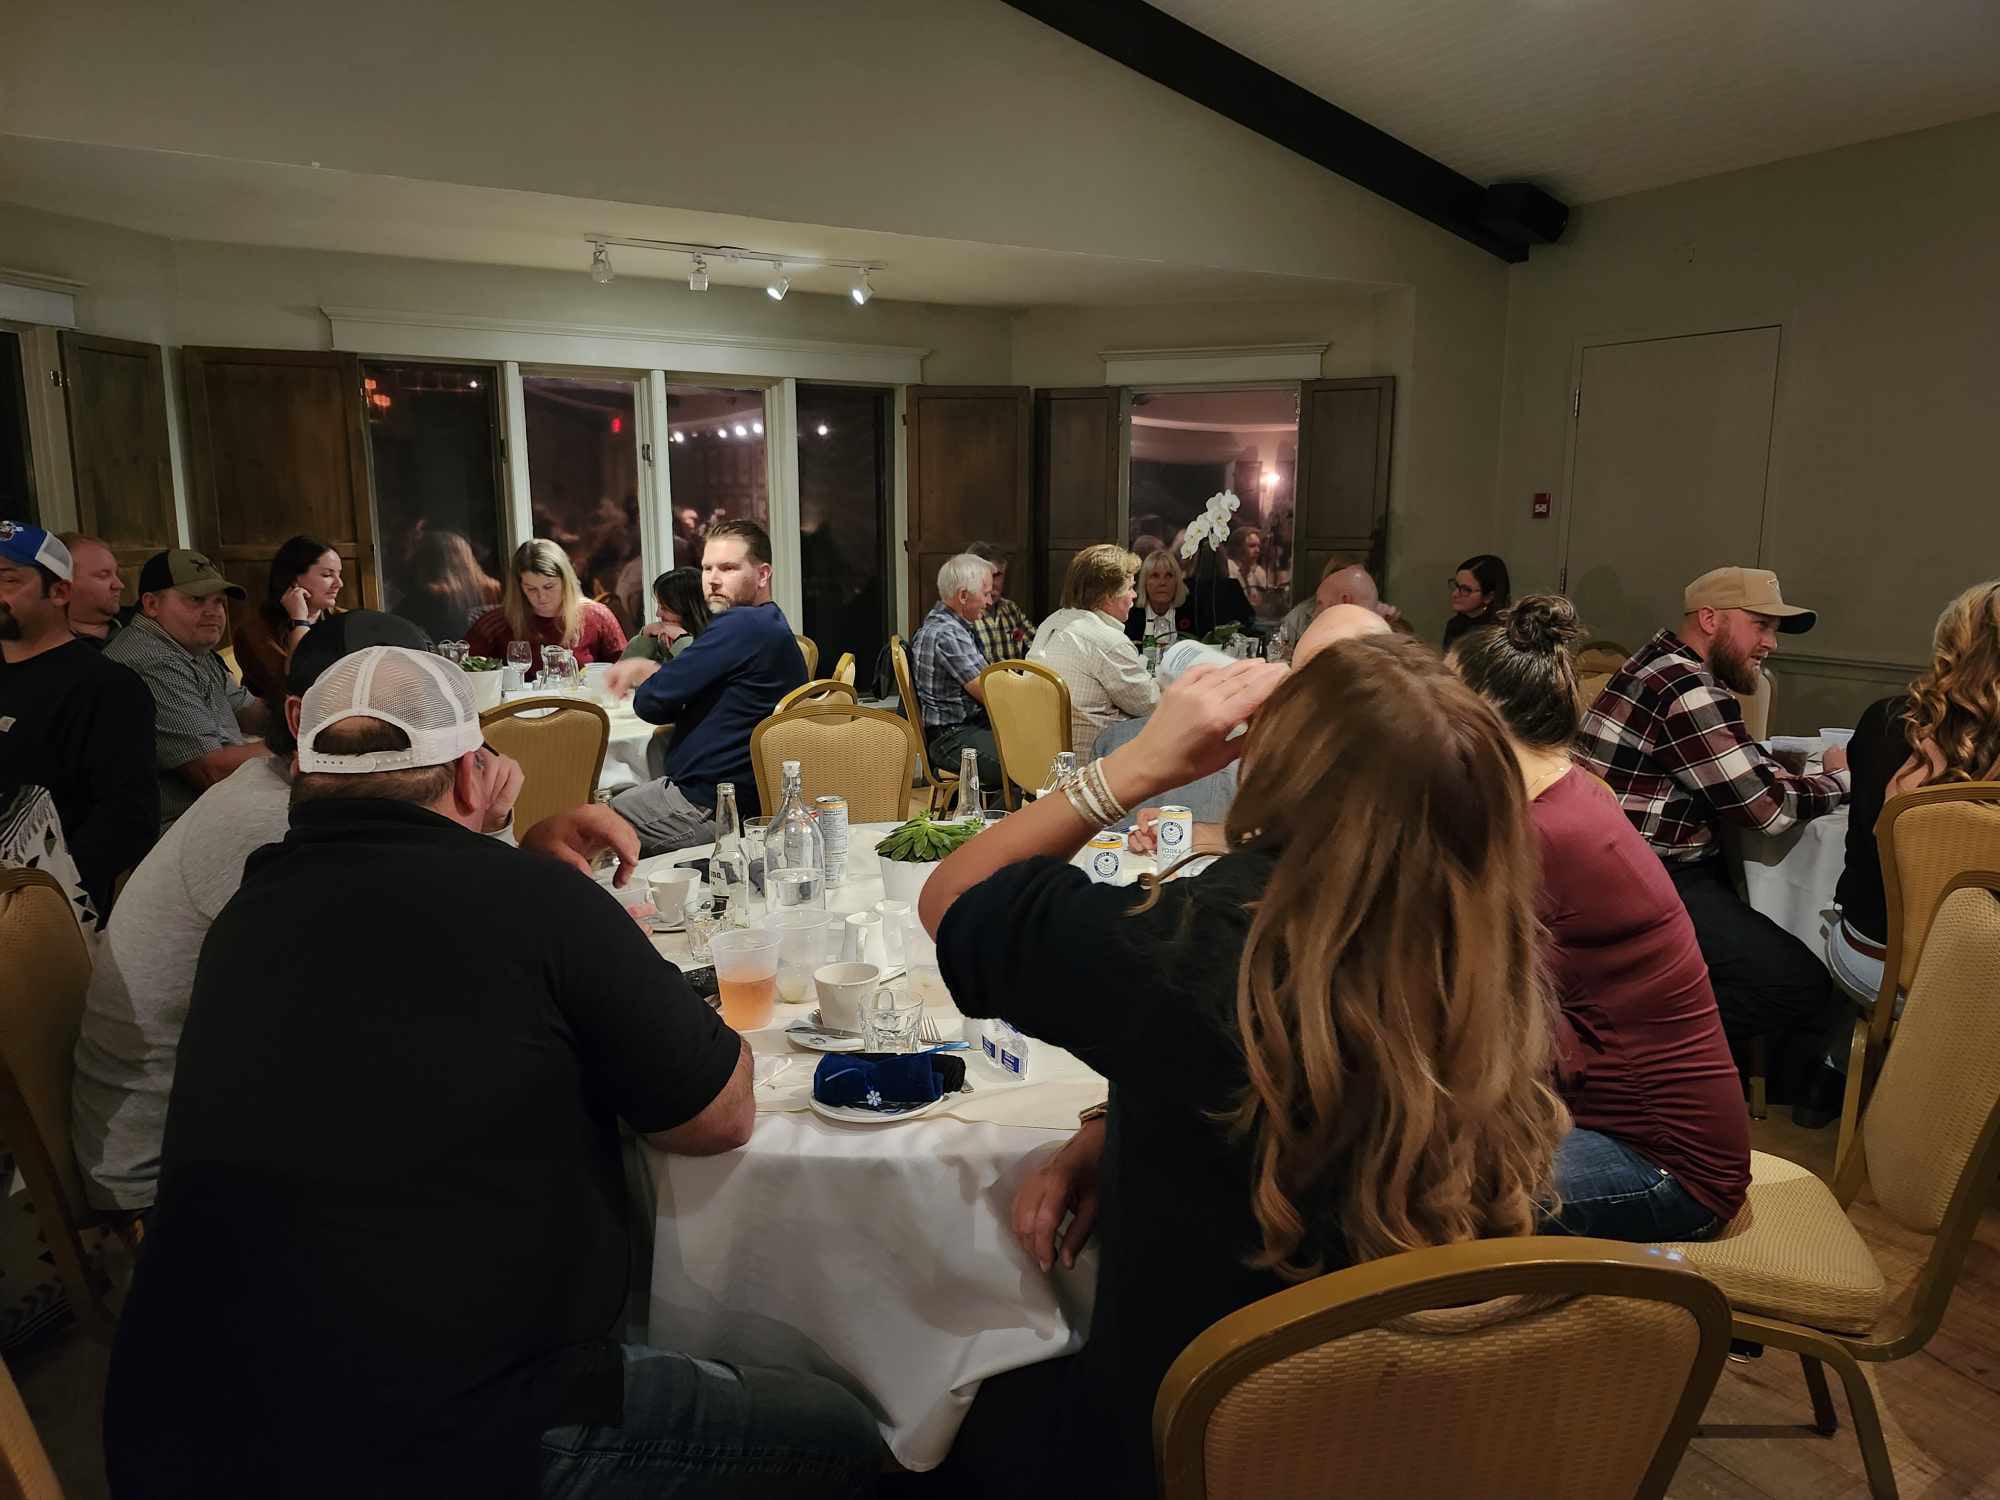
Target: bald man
1342,583
1338,622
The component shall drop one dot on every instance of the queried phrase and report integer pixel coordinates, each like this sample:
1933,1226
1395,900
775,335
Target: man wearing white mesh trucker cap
389,1254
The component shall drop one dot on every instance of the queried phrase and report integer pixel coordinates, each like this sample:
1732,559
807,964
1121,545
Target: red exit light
617,424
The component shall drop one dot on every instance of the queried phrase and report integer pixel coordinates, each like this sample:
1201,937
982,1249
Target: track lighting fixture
600,264
862,291
698,277
781,285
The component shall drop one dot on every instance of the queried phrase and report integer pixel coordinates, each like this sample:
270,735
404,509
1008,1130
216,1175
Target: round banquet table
879,1254
625,752
1790,876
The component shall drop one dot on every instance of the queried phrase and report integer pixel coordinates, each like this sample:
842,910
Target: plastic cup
802,947
746,975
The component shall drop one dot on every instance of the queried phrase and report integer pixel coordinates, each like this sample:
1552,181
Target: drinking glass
754,830
802,948
889,1021
453,652
800,888
896,918
746,974
521,654
705,916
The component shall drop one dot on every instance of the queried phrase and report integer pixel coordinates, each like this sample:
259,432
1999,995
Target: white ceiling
1593,98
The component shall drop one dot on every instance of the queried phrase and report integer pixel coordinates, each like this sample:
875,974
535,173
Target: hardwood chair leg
1826,1421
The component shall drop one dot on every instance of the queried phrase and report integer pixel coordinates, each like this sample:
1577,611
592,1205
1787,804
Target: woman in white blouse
1085,642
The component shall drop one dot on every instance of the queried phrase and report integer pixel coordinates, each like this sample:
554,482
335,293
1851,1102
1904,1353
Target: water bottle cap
790,767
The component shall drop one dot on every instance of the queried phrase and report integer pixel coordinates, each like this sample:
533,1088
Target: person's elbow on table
725,1122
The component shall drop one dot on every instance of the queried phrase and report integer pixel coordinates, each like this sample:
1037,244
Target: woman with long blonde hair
544,605
1333,1045
1946,728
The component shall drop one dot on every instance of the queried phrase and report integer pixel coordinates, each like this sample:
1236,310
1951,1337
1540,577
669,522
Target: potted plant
486,678
910,851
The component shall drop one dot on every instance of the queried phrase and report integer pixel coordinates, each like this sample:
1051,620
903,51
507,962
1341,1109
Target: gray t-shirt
138,997
195,703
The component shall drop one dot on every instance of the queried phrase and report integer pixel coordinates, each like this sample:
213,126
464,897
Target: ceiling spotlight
698,277
600,264
680,437
722,432
473,383
822,429
862,291
741,430
758,428
777,289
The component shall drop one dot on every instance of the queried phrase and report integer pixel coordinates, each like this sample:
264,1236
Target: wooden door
1671,439
1345,427
117,403
970,454
278,449
1076,481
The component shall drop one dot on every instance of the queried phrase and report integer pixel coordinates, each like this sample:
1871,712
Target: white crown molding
33,297
429,335
1212,363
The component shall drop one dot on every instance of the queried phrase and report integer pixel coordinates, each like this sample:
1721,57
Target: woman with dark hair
1213,597
1661,1148
303,587
449,589
681,614
1480,589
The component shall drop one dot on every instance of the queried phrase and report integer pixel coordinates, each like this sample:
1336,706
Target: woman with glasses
1479,591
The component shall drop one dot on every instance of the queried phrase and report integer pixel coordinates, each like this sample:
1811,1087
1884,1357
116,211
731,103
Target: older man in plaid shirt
946,661
1669,738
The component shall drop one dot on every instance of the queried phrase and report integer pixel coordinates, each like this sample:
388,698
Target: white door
1670,447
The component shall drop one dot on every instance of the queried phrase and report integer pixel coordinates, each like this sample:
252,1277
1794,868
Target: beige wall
1879,262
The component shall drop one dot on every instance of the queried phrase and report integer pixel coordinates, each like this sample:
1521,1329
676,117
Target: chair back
1029,706
819,690
810,651
1606,657
25,1472
1589,685
1560,1369
939,782
1757,706
560,743
843,670
1927,838
861,754
41,1010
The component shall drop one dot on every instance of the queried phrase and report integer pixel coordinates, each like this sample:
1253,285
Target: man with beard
1669,738
714,693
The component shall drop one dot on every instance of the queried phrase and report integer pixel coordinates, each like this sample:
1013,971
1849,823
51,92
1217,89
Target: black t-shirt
1150,1002
1876,753
83,727
390,1248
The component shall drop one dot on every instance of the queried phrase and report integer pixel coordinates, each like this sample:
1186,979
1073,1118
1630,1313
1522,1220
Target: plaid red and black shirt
1670,740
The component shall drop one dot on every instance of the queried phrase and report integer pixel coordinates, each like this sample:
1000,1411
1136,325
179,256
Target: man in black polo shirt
389,1255
70,720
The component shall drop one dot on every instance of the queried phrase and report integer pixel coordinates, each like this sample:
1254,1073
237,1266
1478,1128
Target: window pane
844,455
583,482
715,463
1186,445
17,488
431,445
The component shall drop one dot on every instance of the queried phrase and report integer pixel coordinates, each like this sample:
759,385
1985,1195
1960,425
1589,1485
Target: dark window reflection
17,485
717,465
583,482
844,457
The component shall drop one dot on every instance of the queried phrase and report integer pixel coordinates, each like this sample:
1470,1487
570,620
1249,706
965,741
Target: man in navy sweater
714,693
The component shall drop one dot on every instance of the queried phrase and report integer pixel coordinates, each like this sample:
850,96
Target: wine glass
520,654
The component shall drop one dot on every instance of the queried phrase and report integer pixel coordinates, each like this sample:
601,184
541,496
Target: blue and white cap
32,546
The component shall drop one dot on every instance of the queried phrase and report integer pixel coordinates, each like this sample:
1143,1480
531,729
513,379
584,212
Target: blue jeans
1610,1192
697,1427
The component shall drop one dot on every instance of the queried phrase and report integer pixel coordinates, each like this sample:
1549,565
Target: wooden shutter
116,394
1076,480
970,449
278,449
1343,479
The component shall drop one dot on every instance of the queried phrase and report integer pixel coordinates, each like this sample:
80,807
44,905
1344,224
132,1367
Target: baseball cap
34,547
1754,589
343,635
425,696
187,570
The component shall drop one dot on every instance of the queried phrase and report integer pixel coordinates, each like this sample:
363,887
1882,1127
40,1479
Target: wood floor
1941,1408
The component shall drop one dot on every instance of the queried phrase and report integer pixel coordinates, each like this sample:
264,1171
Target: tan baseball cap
187,570
1754,589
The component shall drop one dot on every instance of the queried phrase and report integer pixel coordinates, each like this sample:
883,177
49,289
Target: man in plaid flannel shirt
1004,632
1669,738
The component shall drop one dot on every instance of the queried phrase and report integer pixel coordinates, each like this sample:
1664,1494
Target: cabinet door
1343,481
117,403
1076,481
970,452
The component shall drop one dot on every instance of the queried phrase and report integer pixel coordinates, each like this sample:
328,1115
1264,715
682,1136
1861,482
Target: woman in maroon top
1661,1144
545,606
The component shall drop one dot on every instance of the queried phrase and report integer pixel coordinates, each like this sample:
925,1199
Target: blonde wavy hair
1955,701
1394,1019
550,561
1095,574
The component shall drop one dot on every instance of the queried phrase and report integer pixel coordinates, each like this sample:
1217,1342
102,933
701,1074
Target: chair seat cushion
1792,1253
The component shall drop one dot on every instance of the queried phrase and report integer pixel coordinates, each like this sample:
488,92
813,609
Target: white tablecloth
887,1248
625,755
1790,876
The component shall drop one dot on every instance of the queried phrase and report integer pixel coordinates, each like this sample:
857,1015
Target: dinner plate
848,1115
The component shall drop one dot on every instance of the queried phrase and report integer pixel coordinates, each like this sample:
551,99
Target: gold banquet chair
41,1009
1511,1369
861,754
819,690
810,651
1797,1272
560,743
1029,706
1757,706
938,784
25,1471
843,670
1927,839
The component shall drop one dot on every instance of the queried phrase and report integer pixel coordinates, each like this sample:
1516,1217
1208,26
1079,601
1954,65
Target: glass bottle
794,850
729,865
969,804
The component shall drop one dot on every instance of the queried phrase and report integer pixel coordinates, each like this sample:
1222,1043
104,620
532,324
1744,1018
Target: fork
927,1029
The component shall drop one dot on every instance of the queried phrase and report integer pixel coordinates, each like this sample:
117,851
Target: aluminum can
832,815
1174,833
1105,858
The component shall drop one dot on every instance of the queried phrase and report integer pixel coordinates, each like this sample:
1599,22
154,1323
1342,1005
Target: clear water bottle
969,805
729,865
1153,655
1060,770
794,850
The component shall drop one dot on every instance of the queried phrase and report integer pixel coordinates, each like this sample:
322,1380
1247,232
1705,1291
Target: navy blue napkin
886,1080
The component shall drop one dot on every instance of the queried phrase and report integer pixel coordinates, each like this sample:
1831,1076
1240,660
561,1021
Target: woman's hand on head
1193,732
296,605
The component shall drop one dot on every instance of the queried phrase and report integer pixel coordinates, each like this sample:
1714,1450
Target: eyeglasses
1459,588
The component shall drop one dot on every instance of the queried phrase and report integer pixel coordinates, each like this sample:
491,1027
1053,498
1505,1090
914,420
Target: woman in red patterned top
544,606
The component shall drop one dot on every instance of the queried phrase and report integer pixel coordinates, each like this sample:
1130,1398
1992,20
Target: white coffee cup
842,989
670,889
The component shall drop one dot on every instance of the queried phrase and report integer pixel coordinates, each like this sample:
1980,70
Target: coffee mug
842,990
670,891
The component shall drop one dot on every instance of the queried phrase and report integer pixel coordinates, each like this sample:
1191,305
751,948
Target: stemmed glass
520,655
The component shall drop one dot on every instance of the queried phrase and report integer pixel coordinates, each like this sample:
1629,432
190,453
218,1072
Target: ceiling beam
1196,66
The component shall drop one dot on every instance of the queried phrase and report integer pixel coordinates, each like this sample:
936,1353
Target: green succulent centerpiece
924,840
